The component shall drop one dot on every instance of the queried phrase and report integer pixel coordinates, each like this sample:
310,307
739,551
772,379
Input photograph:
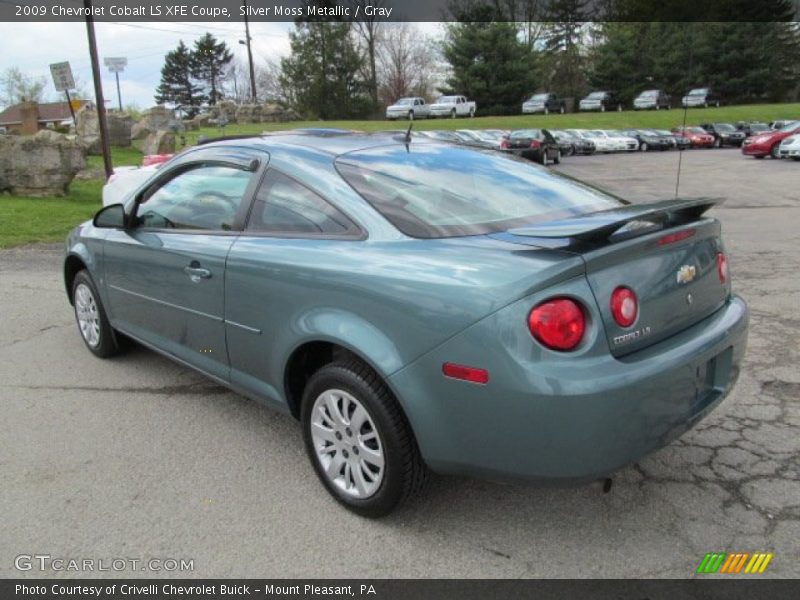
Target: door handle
196,272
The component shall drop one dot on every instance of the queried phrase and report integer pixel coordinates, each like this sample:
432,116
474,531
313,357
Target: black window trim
254,166
358,235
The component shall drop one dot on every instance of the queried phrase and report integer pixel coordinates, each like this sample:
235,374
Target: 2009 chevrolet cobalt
419,305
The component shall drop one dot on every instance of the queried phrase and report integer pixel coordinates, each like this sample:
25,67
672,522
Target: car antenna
407,137
685,109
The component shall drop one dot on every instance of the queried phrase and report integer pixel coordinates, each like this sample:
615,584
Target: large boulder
275,113
248,113
39,165
87,127
154,120
159,142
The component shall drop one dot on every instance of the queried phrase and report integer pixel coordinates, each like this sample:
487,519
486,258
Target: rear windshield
648,94
597,95
436,191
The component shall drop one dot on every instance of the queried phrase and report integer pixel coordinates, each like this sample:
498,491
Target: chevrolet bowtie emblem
686,273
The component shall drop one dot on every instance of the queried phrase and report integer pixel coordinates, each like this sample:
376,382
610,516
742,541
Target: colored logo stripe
722,562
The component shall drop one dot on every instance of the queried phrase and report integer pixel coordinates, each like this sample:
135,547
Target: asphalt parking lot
137,457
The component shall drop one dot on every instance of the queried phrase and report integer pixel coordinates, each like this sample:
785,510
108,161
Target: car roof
327,141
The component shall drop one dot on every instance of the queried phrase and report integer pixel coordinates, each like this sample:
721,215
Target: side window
284,206
205,197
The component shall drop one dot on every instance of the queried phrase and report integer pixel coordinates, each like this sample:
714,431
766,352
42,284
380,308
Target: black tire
557,159
405,471
773,152
107,344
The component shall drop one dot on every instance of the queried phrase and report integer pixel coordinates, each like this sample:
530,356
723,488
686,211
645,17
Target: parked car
620,141
648,140
768,143
395,306
408,108
602,101
751,127
697,136
602,143
780,123
655,99
545,102
440,135
704,96
534,144
481,137
724,134
453,106
790,147
125,179
677,140
578,144
3,131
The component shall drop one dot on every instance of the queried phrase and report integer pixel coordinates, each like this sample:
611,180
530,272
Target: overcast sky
33,46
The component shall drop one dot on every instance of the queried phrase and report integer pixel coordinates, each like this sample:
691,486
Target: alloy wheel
88,315
347,444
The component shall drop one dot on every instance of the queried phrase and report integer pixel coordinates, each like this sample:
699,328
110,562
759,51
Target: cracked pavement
139,457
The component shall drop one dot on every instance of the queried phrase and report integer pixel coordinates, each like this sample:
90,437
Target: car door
165,272
282,266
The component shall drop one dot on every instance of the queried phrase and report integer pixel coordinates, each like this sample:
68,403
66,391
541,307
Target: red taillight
671,238
557,323
535,144
470,374
722,267
624,306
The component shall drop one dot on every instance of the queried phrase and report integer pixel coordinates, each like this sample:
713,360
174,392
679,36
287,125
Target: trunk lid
665,252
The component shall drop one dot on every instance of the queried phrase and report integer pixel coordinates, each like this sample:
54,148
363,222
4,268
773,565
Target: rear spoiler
599,226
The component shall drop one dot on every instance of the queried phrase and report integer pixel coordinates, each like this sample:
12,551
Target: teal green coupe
419,306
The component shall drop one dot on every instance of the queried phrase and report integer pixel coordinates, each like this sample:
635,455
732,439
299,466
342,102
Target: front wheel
359,441
773,152
557,159
602,108
718,143
91,318
471,113
411,115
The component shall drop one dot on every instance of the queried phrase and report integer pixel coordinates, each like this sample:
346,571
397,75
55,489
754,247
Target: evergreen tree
489,65
563,46
210,61
177,86
321,77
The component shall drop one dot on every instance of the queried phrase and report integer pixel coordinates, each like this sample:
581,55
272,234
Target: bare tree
267,81
368,31
408,63
17,87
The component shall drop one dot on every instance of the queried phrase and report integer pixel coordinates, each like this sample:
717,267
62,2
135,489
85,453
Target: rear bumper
549,416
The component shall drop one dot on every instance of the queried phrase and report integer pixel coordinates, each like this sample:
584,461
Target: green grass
28,220
119,157
662,119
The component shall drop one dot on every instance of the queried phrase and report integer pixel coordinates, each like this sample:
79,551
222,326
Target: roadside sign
62,76
116,64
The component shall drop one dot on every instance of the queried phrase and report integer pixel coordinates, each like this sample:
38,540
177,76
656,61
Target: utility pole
249,54
98,90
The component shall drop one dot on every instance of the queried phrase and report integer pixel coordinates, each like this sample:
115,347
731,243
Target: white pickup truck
408,108
453,106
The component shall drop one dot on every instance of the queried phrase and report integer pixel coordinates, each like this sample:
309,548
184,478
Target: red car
767,142
697,136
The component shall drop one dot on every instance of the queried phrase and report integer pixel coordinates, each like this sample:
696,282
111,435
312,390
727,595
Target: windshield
699,92
596,95
649,94
696,130
446,100
538,98
405,102
724,127
663,132
791,126
759,127
433,191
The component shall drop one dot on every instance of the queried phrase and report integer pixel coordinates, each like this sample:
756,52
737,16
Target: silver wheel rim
87,314
347,444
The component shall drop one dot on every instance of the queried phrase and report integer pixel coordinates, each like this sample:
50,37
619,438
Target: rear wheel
90,316
718,143
773,152
546,110
359,441
557,159
471,112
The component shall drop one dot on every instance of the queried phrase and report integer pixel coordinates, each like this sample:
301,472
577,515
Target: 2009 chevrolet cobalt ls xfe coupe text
419,305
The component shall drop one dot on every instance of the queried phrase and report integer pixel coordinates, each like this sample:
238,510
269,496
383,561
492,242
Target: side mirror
110,217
